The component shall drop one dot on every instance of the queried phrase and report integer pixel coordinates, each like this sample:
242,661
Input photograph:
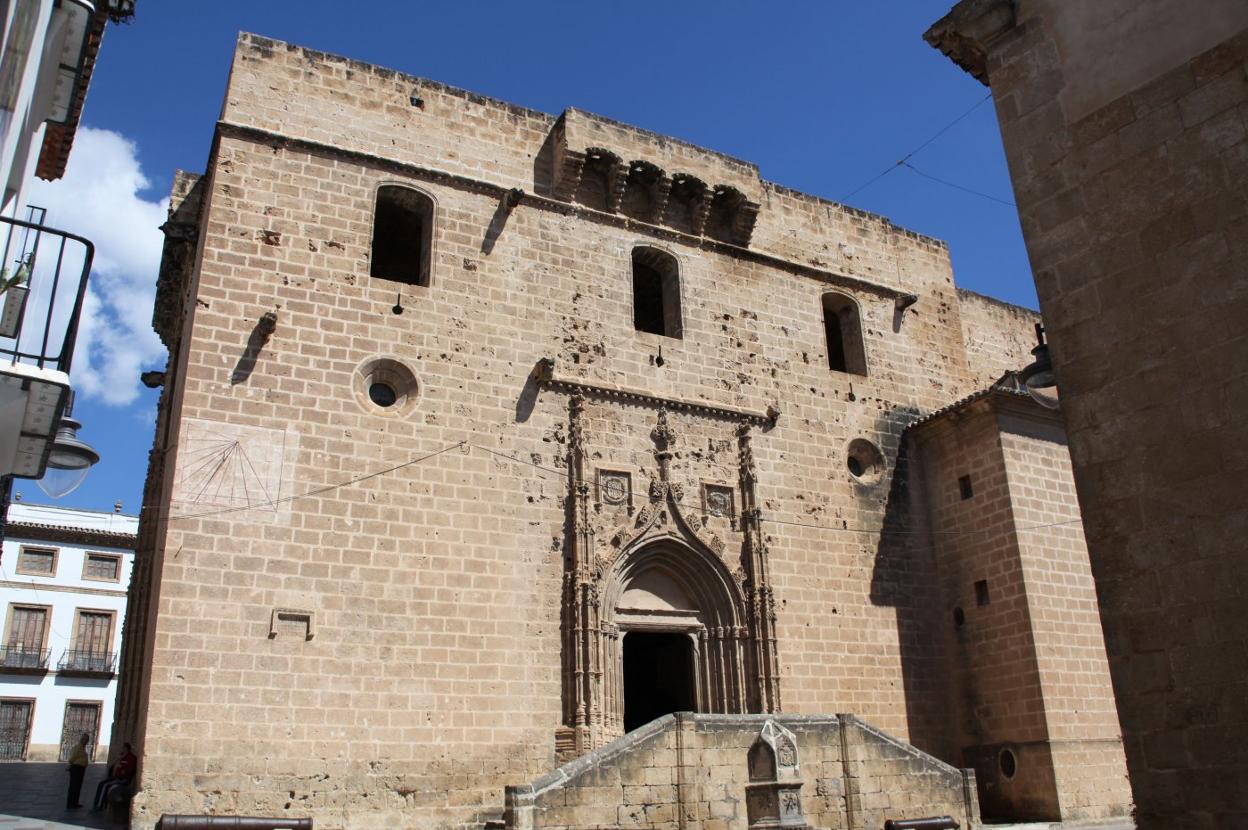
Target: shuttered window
26,628
94,632
37,562
102,566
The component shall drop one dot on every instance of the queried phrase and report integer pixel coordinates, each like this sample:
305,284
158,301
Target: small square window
103,567
37,561
981,592
964,487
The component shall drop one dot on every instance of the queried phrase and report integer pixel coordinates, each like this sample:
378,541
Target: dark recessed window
981,592
656,292
402,235
842,330
1009,764
964,487
382,394
959,616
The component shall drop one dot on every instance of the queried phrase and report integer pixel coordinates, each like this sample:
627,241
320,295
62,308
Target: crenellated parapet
620,169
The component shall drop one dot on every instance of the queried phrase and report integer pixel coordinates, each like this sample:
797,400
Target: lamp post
1038,376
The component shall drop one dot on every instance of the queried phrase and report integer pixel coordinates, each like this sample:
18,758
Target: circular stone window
384,385
1008,763
864,461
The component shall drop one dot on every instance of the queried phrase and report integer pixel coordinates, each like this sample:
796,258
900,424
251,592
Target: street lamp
1038,377
70,459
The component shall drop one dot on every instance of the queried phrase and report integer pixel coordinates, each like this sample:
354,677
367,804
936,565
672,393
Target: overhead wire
958,186
564,474
901,162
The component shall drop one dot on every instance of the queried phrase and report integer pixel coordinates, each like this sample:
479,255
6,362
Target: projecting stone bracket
687,188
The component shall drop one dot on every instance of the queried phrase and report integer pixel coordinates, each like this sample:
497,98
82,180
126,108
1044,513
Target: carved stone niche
773,798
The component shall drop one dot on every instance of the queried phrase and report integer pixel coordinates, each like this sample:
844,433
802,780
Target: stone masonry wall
1128,148
998,336
1080,716
691,771
1027,643
389,651
997,689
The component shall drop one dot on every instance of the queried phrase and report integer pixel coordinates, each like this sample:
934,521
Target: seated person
122,774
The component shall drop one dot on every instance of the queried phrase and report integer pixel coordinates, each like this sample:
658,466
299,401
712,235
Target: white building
63,580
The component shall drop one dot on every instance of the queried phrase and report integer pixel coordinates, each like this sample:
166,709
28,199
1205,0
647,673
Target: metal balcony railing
12,749
87,662
39,319
21,658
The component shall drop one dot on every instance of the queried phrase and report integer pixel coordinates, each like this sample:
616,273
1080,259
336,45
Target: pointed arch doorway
675,636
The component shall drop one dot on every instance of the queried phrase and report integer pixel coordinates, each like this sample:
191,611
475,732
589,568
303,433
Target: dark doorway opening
658,676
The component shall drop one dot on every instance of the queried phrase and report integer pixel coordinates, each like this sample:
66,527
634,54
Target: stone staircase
731,772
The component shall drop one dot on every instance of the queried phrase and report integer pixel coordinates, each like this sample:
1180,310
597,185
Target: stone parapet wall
691,771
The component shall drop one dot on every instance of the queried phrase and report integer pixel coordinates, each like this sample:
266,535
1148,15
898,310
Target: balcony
21,659
88,663
44,280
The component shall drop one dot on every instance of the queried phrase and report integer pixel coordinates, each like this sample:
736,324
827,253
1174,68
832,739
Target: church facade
489,437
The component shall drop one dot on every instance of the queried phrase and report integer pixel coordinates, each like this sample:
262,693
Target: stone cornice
546,377
538,202
965,33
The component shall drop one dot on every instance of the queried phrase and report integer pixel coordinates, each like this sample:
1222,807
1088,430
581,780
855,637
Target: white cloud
100,198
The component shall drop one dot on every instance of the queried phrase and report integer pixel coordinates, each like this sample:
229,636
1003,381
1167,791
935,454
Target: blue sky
822,96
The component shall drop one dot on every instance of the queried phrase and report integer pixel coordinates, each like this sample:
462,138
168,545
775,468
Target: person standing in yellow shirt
77,769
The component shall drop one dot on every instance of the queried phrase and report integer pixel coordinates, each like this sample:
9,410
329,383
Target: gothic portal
661,617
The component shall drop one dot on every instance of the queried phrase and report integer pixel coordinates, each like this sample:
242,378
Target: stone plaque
718,501
615,488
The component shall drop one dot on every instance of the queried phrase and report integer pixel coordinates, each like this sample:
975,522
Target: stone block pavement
32,797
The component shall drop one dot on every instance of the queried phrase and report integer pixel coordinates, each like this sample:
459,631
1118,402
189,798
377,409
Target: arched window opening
842,329
402,235
656,292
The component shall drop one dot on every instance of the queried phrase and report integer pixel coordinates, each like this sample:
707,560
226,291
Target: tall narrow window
656,292
402,235
94,634
843,332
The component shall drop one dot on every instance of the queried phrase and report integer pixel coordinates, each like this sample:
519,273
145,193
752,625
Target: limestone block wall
1031,676
357,609
1080,716
998,336
691,770
1123,123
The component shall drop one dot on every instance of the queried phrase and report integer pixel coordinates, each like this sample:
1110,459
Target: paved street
32,797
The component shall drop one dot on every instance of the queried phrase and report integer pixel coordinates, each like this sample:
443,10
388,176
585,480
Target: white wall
65,592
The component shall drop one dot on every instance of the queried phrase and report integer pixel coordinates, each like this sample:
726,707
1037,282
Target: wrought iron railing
56,265
87,662
17,657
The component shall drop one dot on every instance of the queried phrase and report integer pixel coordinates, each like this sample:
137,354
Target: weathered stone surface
460,573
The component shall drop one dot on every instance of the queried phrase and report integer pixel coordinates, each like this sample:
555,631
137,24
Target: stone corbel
743,222
662,192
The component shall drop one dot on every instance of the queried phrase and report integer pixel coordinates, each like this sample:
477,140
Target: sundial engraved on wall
222,465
